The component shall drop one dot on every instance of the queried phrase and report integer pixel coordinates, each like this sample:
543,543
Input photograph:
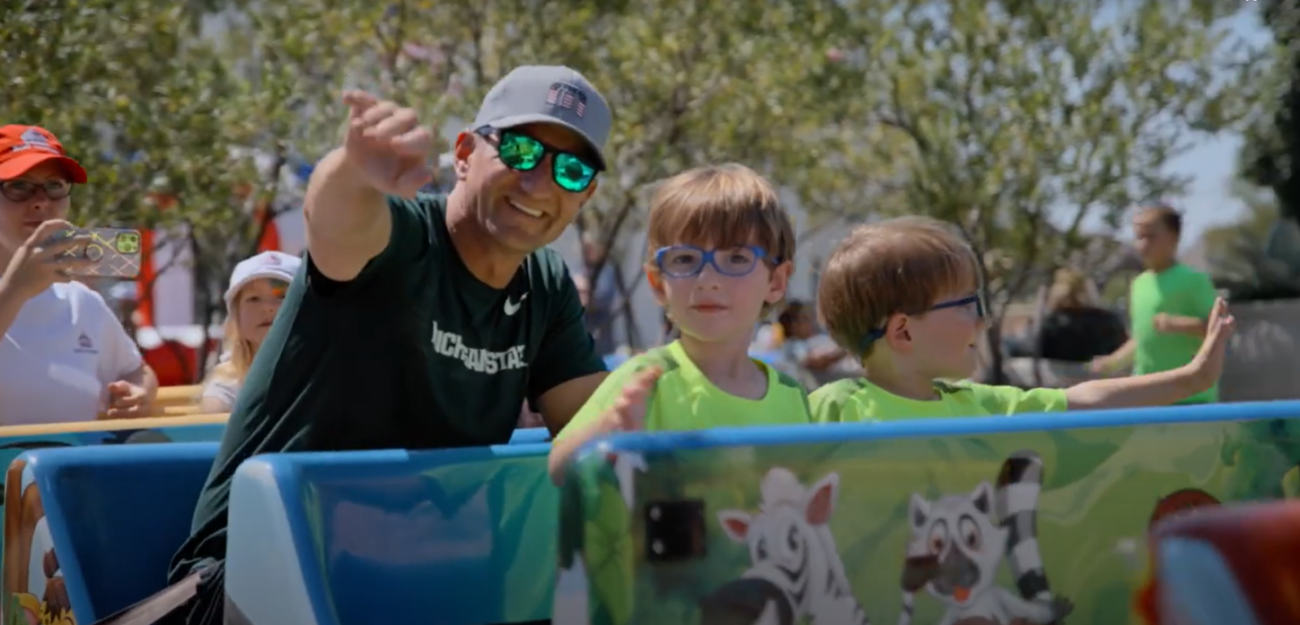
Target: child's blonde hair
896,266
1070,289
721,206
240,348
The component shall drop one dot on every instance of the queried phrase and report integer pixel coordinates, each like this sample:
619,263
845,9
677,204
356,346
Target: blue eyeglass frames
687,261
964,302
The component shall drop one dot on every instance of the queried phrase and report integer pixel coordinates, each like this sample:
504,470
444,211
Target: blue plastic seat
467,535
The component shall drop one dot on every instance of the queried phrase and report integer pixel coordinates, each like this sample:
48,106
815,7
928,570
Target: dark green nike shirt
414,353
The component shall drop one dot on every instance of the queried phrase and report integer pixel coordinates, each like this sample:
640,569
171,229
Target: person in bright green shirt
903,294
1169,304
721,248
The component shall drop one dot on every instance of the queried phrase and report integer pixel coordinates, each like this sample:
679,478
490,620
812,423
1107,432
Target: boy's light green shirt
684,399
858,400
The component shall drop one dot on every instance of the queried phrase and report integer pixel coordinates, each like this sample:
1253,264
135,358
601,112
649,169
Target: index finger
1220,307
57,247
416,142
47,230
123,413
359,101
129,400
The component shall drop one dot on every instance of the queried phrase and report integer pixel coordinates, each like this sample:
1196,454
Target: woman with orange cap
64,355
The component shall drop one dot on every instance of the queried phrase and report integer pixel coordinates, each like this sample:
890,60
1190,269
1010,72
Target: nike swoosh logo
513,307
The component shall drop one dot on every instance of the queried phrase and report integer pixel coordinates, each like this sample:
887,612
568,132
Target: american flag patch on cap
566,96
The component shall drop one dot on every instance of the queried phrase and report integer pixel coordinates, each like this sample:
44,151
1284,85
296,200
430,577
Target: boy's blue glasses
687,261
974,303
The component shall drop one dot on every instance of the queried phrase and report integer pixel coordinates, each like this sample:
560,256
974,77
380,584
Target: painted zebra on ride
959,542
795,568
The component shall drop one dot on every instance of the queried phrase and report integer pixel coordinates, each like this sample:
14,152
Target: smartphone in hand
115,252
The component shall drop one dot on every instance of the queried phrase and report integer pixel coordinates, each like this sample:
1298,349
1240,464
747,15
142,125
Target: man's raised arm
384,152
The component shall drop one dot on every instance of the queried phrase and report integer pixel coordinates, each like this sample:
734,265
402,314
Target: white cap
274,265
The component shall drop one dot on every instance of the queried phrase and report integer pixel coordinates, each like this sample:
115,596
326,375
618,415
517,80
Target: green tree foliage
1232,249
1272,140
699,82
1258,256
141,100
1263,249
689,83
132,94
1023,122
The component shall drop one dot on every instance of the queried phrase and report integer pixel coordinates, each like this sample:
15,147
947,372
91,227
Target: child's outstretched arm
627,414
1115,360
1166,387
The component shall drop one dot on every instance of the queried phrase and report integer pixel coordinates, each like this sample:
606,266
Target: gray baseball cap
550,94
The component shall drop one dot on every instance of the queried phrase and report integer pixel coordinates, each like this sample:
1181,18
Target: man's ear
591,190
656,282
465,143
779,282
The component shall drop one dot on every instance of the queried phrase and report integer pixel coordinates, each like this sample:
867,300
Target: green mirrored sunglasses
521,152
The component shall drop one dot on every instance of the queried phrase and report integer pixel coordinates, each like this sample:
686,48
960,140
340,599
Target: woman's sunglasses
521,152
23,190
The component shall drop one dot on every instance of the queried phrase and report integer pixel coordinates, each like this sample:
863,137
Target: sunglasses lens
520,152
572,174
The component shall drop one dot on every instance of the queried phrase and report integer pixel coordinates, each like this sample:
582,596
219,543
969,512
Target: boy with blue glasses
903,295
721,258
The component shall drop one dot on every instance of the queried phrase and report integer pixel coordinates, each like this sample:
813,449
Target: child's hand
1102,365
1208,362
628,413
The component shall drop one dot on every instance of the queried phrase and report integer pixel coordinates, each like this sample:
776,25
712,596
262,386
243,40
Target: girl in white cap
257,288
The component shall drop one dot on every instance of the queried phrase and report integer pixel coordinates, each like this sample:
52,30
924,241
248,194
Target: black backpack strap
158,606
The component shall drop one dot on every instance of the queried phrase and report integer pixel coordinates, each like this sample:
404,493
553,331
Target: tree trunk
626,310
1040,311
994,373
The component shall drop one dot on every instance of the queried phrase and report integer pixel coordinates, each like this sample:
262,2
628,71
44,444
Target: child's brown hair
719,207
901,265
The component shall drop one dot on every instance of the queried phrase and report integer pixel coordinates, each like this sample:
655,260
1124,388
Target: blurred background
1037,127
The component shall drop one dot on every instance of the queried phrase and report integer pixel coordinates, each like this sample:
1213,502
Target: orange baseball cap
25,147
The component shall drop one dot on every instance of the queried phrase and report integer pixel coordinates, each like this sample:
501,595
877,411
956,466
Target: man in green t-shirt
1169,304
418,321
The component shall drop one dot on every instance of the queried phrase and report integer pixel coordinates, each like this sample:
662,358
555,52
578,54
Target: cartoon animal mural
34,585
795,569
959,542
34,589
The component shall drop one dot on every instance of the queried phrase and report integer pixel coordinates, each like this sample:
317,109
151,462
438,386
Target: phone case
897,523
116,252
